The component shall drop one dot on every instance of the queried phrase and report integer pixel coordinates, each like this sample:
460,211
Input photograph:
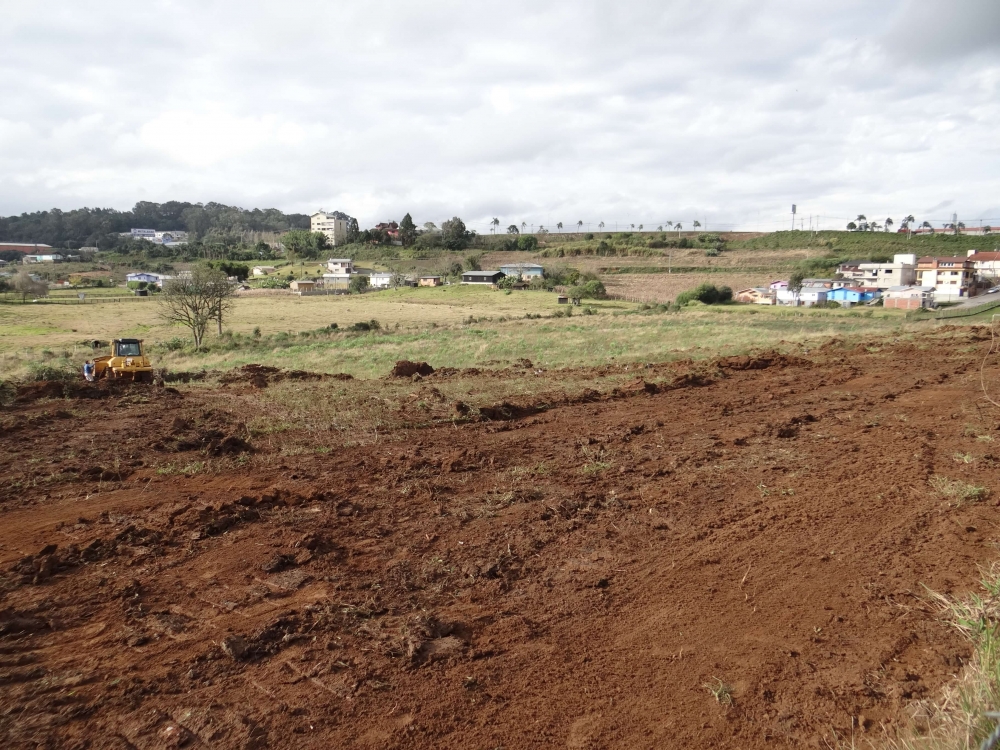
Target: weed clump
719,690
958,491
62,373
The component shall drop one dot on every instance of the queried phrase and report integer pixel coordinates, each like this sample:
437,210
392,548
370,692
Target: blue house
526,271
848,296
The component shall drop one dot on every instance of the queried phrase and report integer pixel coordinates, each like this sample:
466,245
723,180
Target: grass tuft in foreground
958,491
961,719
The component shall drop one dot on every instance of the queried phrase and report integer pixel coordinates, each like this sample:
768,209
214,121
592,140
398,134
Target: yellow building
335,229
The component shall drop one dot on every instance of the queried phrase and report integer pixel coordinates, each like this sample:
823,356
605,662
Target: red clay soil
573,576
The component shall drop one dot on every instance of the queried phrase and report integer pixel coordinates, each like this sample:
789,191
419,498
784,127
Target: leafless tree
28,287
196,300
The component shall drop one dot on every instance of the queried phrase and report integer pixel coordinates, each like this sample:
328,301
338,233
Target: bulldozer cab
127,348
127,360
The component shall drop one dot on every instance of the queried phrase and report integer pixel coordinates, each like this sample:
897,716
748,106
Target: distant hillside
100,226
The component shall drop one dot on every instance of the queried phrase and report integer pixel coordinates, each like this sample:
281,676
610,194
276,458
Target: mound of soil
260,376
404,368
761,361
42,389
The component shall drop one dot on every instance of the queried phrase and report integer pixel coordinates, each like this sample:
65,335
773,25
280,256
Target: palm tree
559,226
959,227
640,227
696,224
601,225
888,223
512,229
633,226
926,225
659,228
579,225
678,227
495,223
669,224
523,225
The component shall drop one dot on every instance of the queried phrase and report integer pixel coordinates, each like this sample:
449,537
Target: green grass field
457,326
462,326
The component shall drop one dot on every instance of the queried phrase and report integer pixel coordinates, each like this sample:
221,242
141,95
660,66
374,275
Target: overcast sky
627,112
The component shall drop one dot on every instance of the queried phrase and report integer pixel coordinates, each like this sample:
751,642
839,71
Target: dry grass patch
957,491
962,718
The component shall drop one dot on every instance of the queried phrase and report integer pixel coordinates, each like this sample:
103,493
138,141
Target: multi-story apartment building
335,229
952,278
901,272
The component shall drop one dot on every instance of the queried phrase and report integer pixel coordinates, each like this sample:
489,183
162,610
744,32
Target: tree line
101,227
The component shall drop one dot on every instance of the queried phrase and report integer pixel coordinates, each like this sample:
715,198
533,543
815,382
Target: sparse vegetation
961,717
719,690
957,491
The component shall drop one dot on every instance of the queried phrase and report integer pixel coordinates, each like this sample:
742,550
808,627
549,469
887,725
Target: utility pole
793,217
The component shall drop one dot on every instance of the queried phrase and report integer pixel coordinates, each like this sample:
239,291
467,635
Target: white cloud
538,111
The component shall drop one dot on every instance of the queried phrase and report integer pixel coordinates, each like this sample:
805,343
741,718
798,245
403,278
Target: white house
263,270
986,265
380,279
901,272
149,278
340,266
805,297
169,237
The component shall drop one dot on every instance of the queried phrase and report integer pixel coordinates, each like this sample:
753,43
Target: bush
707,294
174,345
593,289
64,373
358,284
272,282
527,243
588,236
712,252
508,282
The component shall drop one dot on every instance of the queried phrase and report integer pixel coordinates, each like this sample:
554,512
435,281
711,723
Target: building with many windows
331,225
952,278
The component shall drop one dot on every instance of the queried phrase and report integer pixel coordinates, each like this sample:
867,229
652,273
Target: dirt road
580,575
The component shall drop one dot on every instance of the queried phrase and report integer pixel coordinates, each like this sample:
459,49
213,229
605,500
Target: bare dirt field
664,287
578,570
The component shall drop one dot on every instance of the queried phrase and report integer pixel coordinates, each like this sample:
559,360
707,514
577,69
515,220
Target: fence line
634,298
91,301
965,312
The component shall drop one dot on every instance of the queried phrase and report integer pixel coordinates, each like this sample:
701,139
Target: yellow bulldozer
127,361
